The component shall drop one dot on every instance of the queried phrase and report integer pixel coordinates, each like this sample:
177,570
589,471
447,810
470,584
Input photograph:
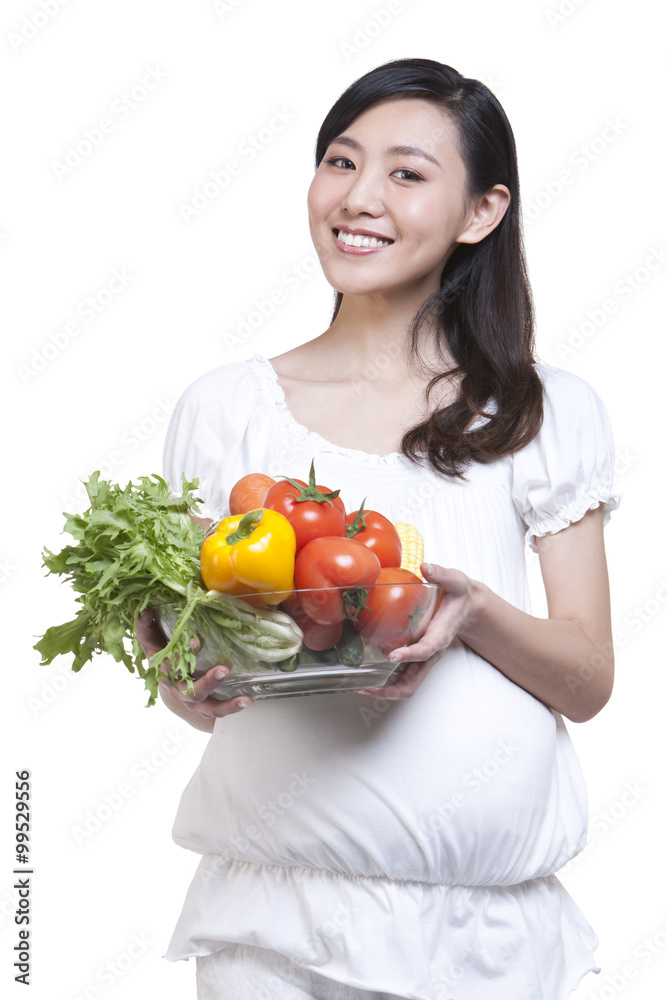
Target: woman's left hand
456,609
566,660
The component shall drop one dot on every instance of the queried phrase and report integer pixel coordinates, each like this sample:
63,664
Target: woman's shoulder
568,396
232,393
227,399
558,381
568,467
235,377
575,431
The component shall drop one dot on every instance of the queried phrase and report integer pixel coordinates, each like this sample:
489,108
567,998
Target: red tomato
332,562
315,636
312,510
396,613
377,533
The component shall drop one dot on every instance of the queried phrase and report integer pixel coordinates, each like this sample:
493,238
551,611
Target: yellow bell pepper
250,553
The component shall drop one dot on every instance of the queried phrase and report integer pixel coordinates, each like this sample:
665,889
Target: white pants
241,972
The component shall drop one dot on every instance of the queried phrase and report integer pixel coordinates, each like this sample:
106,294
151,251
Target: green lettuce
137,547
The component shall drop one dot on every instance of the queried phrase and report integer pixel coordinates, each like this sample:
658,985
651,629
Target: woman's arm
565,660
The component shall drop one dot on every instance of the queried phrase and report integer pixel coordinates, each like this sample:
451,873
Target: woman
410,851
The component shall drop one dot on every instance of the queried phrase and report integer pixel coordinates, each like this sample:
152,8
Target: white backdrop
129,270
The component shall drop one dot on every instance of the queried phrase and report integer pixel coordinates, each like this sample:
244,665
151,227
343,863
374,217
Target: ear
485,214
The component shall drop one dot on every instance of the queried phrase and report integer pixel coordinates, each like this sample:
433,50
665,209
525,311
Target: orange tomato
248,494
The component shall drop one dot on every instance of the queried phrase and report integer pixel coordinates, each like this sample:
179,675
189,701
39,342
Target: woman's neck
367,328
359,384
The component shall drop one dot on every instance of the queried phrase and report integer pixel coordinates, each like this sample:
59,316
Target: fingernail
394,657
220,673
243,704
427,568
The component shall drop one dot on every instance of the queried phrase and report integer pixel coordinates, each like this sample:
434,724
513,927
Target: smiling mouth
361,240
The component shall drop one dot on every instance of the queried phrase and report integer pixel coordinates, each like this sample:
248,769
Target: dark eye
411,175
339,161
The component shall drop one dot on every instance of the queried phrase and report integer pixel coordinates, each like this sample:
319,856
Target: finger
201,688
452,579
199,701
381,692
433,573
402,688
149,632
216,708
435,639
406,685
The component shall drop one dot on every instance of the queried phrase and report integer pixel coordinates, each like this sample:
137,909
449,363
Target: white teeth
351,240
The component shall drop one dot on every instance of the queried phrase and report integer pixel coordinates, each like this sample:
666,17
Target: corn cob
412,543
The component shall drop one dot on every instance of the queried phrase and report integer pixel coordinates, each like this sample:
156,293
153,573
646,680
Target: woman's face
387,203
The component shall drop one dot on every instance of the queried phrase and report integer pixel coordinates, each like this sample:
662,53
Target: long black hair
483,310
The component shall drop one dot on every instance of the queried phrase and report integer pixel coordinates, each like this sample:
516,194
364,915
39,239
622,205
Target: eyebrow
346,140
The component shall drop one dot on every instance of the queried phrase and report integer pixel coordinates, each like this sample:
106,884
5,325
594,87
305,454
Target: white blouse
399,846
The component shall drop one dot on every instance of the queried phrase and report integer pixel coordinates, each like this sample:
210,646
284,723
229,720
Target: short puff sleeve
568,468
208,434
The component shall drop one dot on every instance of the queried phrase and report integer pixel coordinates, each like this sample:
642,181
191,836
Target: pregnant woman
403,842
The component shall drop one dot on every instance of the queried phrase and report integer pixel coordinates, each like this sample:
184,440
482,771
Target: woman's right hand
195,706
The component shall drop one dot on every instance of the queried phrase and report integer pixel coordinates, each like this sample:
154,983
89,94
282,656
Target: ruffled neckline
276,396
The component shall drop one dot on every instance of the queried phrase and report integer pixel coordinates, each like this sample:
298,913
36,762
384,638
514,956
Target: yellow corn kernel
412,543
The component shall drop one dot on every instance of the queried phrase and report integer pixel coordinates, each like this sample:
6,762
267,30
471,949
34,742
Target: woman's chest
470,524
358,412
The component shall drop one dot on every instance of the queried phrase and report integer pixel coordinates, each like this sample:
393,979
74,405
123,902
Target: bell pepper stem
245,527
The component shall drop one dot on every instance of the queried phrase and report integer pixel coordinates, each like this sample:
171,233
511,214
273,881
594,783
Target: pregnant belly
470,782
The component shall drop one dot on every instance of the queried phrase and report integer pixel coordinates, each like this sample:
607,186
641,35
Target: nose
364,194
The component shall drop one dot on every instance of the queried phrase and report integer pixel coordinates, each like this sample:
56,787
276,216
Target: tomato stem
311,492
359,523
354,601
416,617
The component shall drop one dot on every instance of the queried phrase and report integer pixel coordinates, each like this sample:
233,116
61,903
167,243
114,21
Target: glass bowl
378,619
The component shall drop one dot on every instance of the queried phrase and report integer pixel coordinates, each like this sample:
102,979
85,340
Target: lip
358,251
